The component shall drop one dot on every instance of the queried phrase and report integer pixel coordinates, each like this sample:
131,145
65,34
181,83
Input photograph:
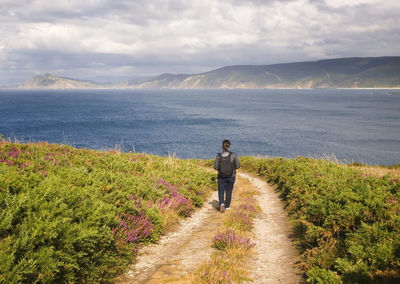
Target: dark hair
226,142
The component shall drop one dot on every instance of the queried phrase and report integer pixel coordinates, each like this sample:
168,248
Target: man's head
226,145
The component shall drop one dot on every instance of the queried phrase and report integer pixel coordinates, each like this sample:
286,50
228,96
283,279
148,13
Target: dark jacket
234,161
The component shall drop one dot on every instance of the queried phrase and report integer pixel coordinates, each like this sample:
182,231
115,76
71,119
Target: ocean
352,125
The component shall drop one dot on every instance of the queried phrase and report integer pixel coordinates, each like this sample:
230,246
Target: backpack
225,166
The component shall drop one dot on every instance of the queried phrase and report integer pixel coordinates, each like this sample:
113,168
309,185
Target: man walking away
226,164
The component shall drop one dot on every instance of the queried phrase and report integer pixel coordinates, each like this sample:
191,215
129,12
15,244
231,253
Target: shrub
230,239
323,276
240,218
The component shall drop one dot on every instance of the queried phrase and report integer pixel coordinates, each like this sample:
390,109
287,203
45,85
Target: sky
112,40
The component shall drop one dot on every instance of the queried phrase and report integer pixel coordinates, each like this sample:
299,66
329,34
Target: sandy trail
183,250
275,256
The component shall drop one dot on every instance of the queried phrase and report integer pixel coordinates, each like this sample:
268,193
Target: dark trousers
225,185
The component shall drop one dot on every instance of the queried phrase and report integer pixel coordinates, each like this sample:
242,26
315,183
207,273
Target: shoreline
188,89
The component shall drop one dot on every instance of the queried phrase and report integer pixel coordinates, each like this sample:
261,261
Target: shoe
222,208
228,208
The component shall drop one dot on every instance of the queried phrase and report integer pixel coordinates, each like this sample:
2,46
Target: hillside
49,81
72,215
368,72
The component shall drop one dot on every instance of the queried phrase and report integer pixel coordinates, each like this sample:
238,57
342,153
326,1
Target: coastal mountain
49,81
366,72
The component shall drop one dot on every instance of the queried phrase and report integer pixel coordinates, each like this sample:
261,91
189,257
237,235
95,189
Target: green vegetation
346,218
70,215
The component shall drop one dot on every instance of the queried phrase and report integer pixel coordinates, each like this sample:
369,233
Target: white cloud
341,3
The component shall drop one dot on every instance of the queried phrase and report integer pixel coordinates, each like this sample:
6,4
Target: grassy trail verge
232,242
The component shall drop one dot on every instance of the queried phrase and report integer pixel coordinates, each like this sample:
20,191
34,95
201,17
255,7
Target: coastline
140,88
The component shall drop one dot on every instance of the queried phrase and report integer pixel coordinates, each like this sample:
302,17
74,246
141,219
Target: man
226,164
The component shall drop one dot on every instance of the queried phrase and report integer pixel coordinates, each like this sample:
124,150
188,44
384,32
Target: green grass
73,215
346,219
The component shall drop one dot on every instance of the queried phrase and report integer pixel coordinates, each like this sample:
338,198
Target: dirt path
183,250
275,255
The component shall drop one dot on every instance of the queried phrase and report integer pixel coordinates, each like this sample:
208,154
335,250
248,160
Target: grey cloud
136,12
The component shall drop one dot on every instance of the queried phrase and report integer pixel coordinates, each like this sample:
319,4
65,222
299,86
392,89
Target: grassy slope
346,218
70,215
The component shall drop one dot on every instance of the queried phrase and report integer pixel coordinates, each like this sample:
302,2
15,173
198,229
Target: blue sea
353,125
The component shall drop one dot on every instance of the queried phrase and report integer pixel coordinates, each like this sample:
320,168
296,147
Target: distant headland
356,72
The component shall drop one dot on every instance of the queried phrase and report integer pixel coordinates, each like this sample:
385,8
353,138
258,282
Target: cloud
96,37
344,3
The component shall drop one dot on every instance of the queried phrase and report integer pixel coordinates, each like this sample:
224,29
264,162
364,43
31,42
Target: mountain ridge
353,72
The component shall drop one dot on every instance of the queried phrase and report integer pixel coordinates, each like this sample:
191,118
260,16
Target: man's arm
236,162
216,163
